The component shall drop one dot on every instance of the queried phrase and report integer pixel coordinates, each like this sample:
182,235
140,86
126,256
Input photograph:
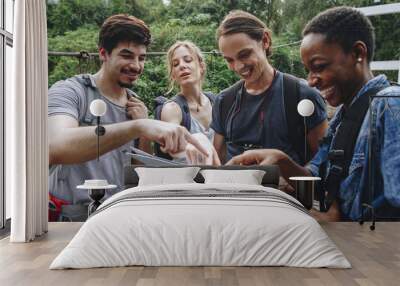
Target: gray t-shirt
69,98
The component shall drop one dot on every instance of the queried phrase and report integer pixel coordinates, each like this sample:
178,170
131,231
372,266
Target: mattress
201,225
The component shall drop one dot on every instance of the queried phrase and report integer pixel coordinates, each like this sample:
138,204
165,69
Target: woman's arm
171,112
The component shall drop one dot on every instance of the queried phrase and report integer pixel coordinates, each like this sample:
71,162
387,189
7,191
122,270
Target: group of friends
252,122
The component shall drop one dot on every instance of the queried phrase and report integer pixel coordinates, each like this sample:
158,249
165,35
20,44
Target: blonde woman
191,107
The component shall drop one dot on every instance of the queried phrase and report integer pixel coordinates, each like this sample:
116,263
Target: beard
125,84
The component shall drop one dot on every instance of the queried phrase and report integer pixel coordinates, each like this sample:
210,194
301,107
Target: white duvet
266,229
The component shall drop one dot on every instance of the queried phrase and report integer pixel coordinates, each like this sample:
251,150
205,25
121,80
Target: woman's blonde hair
194,50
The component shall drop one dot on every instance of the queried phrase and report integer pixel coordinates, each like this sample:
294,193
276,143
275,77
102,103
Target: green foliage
287,59
82,39
218,76
69,15
73,26
387,37
153,82
164,35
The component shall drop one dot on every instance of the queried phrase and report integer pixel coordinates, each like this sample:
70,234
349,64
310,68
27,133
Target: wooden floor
374,255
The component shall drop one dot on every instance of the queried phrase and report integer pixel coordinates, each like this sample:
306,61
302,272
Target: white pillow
166,176
248,177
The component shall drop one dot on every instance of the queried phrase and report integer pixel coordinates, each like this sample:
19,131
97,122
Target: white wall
9,63
9,9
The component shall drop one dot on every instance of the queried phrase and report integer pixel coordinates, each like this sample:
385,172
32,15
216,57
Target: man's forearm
145,145
79,144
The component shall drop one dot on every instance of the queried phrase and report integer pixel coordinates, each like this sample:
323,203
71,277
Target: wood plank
375,257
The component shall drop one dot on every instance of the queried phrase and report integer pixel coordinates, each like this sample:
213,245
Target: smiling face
244,55
330,69
185,67
125,63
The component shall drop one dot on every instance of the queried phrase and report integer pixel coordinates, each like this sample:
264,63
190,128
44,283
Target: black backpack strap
341,153
181,101
211,96
230,102
159,104
295,122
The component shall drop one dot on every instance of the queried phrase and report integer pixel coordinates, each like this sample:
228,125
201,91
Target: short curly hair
344,25
121,28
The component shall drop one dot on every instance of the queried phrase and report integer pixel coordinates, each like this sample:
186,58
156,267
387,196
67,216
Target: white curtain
26,123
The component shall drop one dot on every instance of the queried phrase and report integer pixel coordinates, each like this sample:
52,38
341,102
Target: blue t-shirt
261,119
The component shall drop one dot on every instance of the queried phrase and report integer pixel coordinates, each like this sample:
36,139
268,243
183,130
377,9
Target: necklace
195,105
198,105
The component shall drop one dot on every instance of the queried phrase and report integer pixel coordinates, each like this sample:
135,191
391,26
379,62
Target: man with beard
123,42
260,111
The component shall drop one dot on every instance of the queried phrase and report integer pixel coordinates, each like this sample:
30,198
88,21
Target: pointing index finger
189,138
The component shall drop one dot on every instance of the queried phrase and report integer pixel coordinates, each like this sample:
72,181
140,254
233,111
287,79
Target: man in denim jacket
337,48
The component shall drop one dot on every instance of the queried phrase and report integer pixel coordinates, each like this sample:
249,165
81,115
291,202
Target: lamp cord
305,141
98,138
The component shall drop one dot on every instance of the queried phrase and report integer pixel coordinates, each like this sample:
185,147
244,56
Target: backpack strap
159,102
91,94
341,153
130,93
211,96
87,118
291,93
230,103
295,122
181,101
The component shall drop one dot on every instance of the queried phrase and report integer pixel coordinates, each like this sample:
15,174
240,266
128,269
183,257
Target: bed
201,224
